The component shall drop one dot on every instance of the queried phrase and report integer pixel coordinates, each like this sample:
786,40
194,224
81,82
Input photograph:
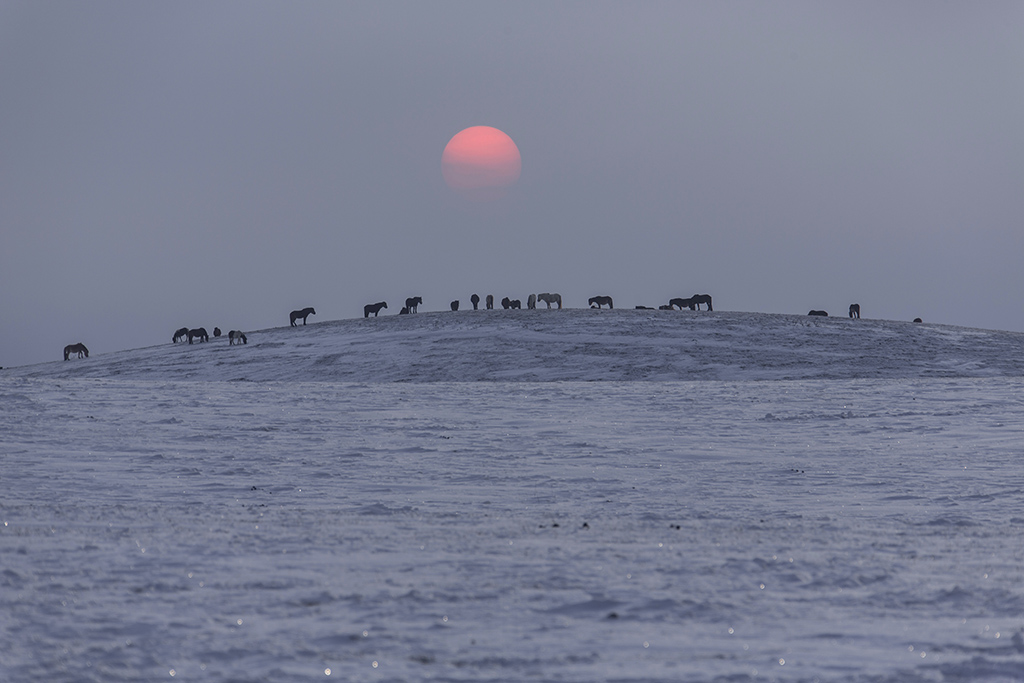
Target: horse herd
412,304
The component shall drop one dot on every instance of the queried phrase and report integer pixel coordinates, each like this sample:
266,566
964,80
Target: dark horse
506,303
78,348
179,335
455,305
374,308
216,332
198,333
490,301
823,314
475,300
682,303
304,313
697,299
412,302
598,301
854,310
236,337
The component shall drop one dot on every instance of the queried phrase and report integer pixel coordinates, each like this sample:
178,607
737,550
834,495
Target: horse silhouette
854,310
666,307
374,308
304,313
455,305
412,302
78,348
236,337
179,335
216,332
198,333
600,301
475,300
490,301
404,311
531,301
516,304
549,299
916,320
506,303
823,314
682,303
698,299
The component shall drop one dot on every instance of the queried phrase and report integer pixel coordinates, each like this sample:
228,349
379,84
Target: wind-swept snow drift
572,345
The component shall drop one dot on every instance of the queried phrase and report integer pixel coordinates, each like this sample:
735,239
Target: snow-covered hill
570,345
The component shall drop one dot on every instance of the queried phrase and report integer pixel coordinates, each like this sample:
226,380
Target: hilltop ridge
569,345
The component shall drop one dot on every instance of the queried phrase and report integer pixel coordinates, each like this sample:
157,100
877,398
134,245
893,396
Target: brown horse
855,310
179,335
236,337
198,333
598,301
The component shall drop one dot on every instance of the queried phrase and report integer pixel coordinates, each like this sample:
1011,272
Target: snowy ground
538,495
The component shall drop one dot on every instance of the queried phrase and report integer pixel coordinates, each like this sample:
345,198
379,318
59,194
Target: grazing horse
531,301
304,313
697,299
455,305
404,311
475,300
198,333
236,337
490,301
78,348
916,320
855,310
374,308
412,302
823,314
550,299
516,304
598,301
179,335
682,303
506,303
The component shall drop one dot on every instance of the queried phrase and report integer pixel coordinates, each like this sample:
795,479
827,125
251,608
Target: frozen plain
568,495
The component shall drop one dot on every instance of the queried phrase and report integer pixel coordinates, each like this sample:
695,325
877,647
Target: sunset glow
481,162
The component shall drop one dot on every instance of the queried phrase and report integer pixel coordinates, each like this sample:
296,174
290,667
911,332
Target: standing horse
179,335
304,313
598,301
78,348
412,302
455,305
198,333
506,303
236,337
216,332
550,299
490,301
855,310
531,301
475,300
374,308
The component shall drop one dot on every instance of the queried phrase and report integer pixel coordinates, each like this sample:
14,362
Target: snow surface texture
452,497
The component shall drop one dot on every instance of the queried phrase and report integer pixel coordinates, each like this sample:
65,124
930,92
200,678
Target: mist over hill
569,345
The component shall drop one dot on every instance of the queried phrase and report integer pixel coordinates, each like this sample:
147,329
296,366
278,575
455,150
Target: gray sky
222,163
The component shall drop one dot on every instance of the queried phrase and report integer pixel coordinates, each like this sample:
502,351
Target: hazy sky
222,163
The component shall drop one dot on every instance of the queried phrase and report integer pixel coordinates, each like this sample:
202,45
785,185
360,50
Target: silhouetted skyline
222,164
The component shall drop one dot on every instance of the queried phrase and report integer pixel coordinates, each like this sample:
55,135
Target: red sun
481,163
